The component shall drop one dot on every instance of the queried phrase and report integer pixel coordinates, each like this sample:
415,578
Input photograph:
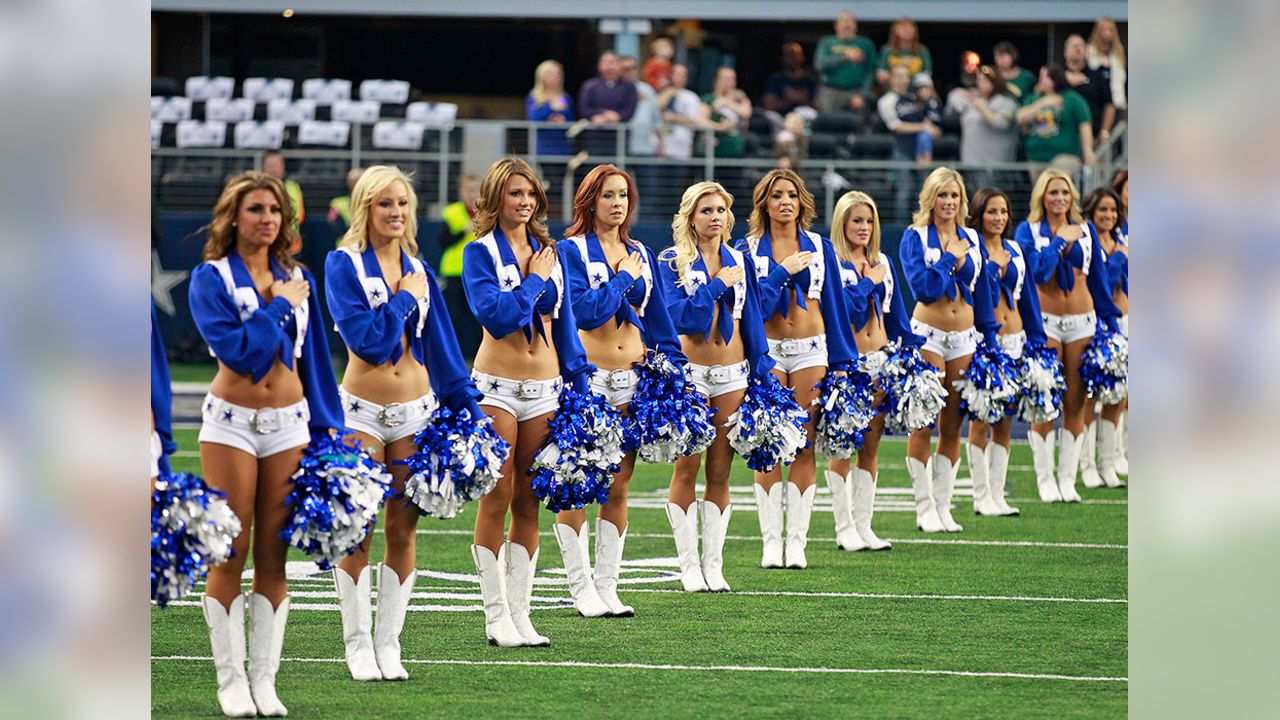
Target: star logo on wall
162,284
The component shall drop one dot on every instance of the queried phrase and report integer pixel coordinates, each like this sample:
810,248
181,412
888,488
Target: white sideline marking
818,538
704,668
896,596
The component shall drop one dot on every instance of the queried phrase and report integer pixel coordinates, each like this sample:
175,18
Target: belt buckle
946,340
718,374
392,414
528,390
618,379
264,422
787,348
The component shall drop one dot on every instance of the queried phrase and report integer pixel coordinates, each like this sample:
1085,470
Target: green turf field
1016,617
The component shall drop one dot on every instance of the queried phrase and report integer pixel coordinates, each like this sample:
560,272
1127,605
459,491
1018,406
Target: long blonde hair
758,221
684,249
1095,40
1037,197
539,73
490,203
221,229
929,195
372,183
840,217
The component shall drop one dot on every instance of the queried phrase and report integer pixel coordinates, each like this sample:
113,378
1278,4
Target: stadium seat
201,134
268,135
946,147
157,129
432,115
162,86
324,133
170,109
230,110
291,112
385,91
206,87
823,145
363,111
868,147
324,91
841,123
396,135
262,89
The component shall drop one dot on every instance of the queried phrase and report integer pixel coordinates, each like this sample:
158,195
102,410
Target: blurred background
73,619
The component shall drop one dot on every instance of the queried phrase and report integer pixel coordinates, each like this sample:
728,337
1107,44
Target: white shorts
949,344
524,399
1123,322
157,451
1070,328
261,432
792,354
872,363
617,386
1013,343
391,422
716,380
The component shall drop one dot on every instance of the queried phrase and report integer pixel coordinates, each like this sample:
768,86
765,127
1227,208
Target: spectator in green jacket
845,63
1057,124
904,48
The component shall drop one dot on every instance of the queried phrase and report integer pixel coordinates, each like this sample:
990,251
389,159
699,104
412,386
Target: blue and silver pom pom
768,428
848,407
459,459
1040,373
575,466
337,492
670,417
192,529
913,392
990,385
1105,366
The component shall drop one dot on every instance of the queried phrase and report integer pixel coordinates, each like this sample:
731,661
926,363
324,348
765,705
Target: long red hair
589,191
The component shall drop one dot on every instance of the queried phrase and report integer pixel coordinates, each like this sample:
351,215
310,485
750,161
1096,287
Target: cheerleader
1017,309
515,285
258,311
942,260
1120,183
162,444
878,316
714,306
1102,210
621,312
1071,277
808,328
403,357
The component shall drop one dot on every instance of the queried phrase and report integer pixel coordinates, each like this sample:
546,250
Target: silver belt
799,346
519,389
263,421
617,379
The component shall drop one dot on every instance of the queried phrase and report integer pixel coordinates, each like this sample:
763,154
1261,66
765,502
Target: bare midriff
516,358
945,314
406,380
281,387
612,346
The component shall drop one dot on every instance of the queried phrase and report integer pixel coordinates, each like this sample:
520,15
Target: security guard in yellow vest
454,236
340,207
273,165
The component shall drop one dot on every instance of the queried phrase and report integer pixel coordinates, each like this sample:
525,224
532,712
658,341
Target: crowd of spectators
1002,112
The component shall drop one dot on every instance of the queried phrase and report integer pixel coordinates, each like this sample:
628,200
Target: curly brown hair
221,229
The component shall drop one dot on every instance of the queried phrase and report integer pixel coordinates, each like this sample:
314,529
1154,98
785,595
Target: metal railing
189,179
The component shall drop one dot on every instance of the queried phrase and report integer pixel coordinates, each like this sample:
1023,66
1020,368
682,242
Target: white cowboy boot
1042,459
357,623
998,472
1068,459
520,569
266,640
393,603
715,525
983,501
926,515
863,488
1108,453
684,527
944,482
1088,451
226,638
847,537
769,513
498,628
609,544
1122,443
799,511
574,551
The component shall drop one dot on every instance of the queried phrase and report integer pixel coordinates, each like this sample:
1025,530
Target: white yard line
703,668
